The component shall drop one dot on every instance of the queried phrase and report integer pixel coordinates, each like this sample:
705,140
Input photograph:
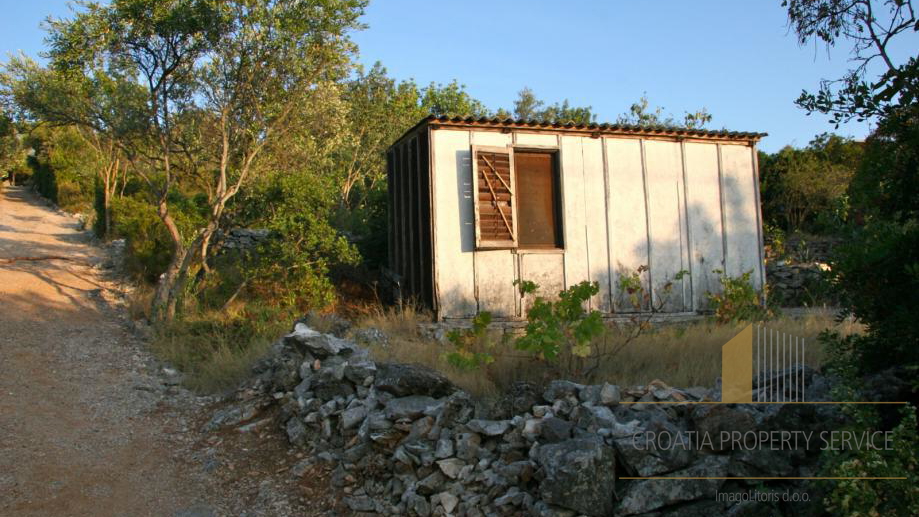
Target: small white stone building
476,204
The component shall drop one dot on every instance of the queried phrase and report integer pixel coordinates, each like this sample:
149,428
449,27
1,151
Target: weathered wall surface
626,202
402,440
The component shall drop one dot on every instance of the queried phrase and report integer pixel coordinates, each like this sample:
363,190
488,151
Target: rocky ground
91,423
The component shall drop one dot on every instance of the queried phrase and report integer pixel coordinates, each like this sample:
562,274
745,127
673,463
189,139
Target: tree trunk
107,210
175,280
106,215
161,309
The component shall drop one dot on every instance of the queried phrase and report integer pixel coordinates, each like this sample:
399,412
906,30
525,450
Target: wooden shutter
494,197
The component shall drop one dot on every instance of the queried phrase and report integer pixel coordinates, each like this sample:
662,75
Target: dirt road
90,425
83,426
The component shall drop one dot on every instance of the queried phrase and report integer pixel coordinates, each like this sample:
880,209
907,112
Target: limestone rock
579,475
713,419
451,467
351,418
647,495
560,389
610,395
296,431
553,430
405,379
410,407
489,427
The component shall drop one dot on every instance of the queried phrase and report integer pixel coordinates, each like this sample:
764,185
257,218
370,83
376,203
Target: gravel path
89,425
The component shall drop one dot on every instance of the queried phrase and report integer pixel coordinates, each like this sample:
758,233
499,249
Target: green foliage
12,152
575,342
471,344
885,184
562,325
292,268
876,271
379,110
630,285
776,239
871,28
99,224
738,300
225,87
808,189
63,167
528,107
882,497
876,268
43,178
148,247
451,99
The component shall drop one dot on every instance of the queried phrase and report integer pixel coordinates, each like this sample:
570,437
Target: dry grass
216,349
139,301
690,354
395,321
685,354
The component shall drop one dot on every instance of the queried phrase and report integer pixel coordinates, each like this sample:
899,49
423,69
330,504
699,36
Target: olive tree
223,82
869,27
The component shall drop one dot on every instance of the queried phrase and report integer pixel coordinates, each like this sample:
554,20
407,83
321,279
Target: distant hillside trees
807,189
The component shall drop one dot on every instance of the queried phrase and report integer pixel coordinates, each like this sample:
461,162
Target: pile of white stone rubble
405,441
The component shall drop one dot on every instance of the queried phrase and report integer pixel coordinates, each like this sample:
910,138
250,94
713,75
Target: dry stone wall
405,441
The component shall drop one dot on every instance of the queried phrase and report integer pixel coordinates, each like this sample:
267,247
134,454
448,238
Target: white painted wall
664,183
703,204
609,229
740,212
626,216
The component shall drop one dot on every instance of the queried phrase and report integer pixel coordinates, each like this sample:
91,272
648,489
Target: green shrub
70,197
63,167
43,178
775,237
292,268
877,497
558,334
472,345
99,228
148,247
21,172
738,300
877,273
561,337
562,325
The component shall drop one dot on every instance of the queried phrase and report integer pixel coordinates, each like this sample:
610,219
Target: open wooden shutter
495,207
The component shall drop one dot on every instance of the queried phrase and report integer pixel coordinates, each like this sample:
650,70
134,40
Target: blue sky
736,58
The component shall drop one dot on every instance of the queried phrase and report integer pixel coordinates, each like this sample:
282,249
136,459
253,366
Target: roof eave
593,128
